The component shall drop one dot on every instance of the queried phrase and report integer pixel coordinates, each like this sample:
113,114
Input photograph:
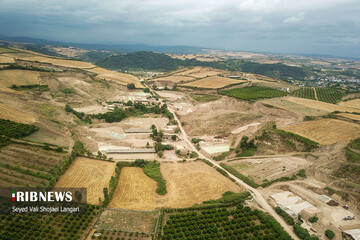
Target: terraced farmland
27,166
253,93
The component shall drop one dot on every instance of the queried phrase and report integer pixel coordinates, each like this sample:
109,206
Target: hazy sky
279,26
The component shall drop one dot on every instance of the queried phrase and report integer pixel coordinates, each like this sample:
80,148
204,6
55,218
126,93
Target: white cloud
295,19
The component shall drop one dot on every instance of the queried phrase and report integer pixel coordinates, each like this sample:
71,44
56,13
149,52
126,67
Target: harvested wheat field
350,116
213,82
194,182
135,190
186,183
326,131
15,115
321,105
187,71
18,77
175,79
4,59
352,103
117,77
31,56
294,107
88,173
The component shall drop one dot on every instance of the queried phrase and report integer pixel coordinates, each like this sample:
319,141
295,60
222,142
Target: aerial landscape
241,139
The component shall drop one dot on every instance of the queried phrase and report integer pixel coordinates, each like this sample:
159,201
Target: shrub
313,219
329,234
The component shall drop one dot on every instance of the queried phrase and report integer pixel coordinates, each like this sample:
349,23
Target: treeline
161,62
30,68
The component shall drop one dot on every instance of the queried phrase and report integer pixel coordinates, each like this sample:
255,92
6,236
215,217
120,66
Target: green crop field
305,92
253,93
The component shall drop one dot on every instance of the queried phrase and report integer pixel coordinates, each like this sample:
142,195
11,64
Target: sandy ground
103,135
187,184
87,173
326,131
269,168
213,82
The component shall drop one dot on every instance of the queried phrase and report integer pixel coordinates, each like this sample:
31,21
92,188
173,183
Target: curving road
255,193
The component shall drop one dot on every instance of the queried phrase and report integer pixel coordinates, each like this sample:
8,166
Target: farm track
315,94
255,193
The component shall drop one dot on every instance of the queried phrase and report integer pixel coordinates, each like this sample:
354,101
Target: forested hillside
161,62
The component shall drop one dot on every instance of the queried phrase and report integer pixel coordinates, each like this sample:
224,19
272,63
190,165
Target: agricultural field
127,220
198,72
328,95
174,79
32,56
94,175
4,59
253,93
135,190
186,184
305,92
17,77
222,223
326,131
27,166
263,170
117,77
351,103
47,226
10,113
213,82
323,106
294,107
350,116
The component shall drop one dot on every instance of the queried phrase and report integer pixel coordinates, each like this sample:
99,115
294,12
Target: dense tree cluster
16,130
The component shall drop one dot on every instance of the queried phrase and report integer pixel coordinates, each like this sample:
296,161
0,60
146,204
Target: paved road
255,193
